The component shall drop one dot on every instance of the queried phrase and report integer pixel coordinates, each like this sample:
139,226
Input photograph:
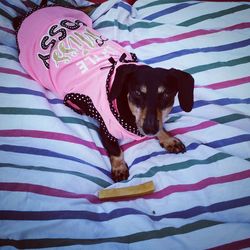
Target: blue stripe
168,11
220,102
115,6
222,142
49,153
193,146
184,52
24,91
125,6
82,175
146,157
217,207
228,141
197,104
117,213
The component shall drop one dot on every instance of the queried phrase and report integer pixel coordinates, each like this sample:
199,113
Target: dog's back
39,33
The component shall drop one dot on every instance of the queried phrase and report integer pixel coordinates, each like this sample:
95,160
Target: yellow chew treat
116,193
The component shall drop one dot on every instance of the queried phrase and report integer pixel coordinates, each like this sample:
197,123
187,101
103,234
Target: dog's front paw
120,170
173,145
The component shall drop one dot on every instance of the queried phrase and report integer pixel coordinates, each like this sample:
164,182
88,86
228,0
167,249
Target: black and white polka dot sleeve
82,104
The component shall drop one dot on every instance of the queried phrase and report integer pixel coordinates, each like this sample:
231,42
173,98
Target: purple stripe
117,213
15,72
8,30
49,153
219,102
183,36
236,245
169,10
184,52
51,136
193,146
24,91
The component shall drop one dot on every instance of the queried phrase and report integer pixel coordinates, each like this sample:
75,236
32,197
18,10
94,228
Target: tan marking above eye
161,89
143,89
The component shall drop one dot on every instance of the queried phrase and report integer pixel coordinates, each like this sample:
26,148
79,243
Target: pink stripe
226,84
14,72
76,140
183,36
199,185
173,132
51,136
241,244
133,143
43,190
200,126
8,30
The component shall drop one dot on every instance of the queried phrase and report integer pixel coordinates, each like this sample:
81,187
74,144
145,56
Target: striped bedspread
52,162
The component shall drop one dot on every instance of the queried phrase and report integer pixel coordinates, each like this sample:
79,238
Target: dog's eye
165,100
137,98
138,93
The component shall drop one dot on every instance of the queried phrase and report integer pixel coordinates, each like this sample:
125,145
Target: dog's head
150,93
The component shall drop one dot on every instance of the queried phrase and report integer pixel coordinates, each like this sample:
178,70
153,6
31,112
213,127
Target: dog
99,78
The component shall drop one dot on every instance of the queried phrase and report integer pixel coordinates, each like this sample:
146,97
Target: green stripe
96,180
214,15
182,165
230,118
44,112
215,65
221,120
129,239
160,2
73,120
142,25
174,118
7,56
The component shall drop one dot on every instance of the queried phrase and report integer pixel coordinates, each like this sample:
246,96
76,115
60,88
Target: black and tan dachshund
144,95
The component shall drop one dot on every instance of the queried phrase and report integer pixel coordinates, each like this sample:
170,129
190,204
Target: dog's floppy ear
122,77
185,87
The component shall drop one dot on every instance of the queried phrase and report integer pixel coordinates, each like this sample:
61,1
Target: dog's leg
119,168
80,104
170,143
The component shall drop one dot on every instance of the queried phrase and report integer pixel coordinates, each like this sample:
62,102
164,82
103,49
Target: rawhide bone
125,192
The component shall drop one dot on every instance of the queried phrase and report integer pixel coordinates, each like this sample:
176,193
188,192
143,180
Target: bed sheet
52,162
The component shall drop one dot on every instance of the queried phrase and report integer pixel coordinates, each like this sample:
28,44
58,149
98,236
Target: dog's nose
150,125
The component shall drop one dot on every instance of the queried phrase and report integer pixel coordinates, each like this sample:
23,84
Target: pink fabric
70,57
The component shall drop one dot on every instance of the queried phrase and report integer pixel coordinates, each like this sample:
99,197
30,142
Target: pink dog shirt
60,50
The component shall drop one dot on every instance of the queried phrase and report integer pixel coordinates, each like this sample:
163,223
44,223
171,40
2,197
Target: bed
53,164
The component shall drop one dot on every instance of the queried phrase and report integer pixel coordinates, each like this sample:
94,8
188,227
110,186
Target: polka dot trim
85,104
131,127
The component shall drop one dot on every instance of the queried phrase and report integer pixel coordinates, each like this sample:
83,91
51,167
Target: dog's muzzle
150,125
